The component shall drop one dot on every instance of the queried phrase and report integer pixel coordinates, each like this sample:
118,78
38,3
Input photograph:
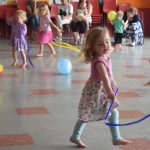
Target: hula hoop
66,45
70,47
122,124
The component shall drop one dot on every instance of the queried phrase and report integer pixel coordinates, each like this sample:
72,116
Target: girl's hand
59,31
111,96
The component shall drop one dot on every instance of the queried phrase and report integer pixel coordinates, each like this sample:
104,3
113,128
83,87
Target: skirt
94,103
134,32
45,37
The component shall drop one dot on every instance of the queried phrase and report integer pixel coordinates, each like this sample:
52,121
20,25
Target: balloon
112,15
64,66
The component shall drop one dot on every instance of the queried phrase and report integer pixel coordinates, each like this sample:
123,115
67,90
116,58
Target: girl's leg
14,55
115,132
40,54
53,52
75,138
24,59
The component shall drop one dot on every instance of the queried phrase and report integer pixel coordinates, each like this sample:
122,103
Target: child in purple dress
18,36
99,89
45,35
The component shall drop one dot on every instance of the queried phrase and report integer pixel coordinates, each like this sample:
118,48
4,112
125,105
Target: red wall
143,5
146,12
136,3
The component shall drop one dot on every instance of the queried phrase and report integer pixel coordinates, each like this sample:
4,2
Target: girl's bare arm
107,85
55,27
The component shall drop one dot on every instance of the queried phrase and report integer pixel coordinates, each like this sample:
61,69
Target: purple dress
94,102
18,35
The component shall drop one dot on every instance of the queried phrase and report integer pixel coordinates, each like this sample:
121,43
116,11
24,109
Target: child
119,26
45,32
81,12
134,31
18,36
99,88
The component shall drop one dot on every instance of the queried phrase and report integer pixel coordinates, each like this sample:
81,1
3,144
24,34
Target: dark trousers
78,26
118,38
34,21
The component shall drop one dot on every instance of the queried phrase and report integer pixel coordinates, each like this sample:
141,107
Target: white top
45,24
66,8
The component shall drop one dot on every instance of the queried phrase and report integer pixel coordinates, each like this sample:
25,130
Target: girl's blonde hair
44,6
88,49
22,14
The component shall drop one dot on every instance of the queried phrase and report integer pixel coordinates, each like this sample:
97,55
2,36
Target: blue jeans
115,133
34,21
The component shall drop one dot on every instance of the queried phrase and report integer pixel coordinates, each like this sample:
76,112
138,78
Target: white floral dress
94,103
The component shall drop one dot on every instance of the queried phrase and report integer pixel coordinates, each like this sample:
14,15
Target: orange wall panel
136,3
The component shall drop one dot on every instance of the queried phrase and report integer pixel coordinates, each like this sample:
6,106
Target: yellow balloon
1,68
112,15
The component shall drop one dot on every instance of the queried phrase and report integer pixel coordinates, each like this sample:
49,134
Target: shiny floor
38,106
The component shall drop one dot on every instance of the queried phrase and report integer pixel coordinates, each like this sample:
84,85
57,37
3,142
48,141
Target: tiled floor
38,106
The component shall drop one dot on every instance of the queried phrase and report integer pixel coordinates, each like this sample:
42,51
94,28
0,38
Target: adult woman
33,19
134,31
78,24
65,12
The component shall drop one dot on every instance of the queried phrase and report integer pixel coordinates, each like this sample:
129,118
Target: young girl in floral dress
99,89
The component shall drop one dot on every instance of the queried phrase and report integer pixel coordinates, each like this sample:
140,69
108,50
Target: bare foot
39,55
53,54
79,143
14,64
121,142
147,84
24,65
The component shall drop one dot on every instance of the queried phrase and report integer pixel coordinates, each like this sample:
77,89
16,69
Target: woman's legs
115,132
34,22
82,30
74,28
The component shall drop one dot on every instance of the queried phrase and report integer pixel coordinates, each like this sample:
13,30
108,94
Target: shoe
121,142
132,44
79,143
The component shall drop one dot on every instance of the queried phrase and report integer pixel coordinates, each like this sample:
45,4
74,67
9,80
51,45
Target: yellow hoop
68,46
